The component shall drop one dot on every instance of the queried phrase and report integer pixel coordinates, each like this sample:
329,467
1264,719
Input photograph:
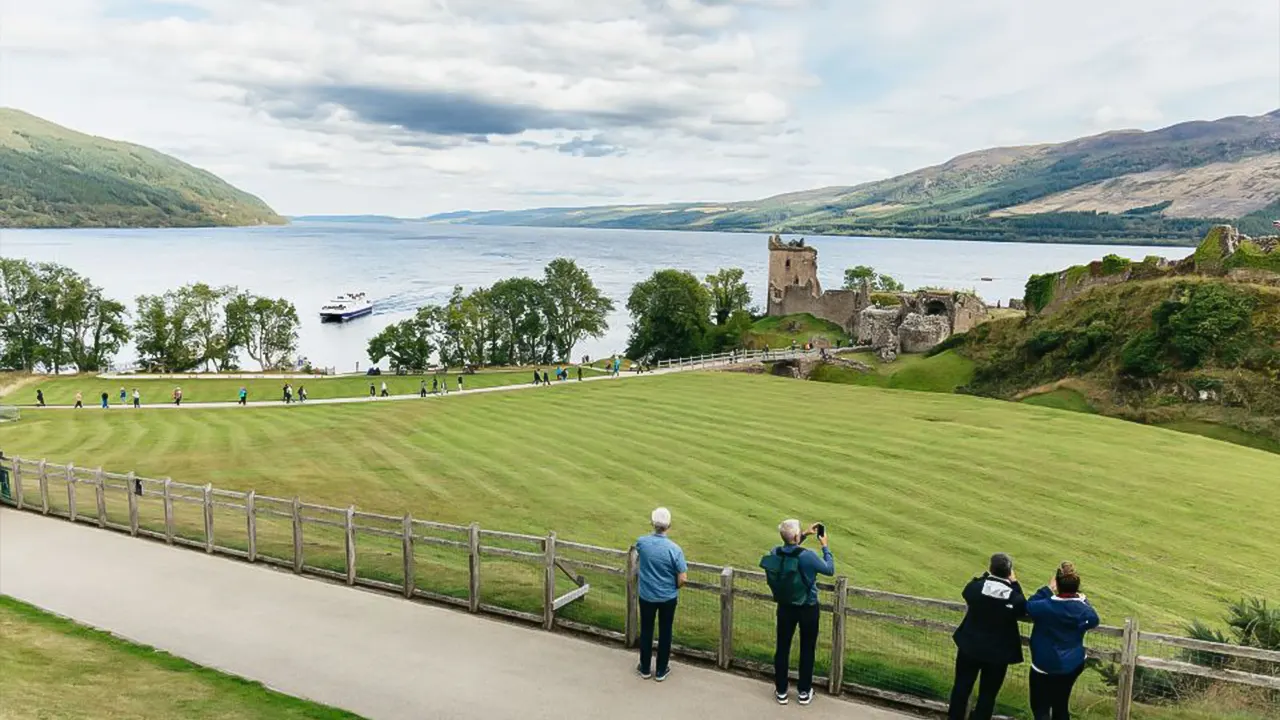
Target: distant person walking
177,396
792,573
39,397
459,383
988,640
617,366
422,389
79,400
579,373
662,571
435,385
288,394
244,395
1061,617
137,398
384,389
104,400
537,378
124,397
373,390
302,393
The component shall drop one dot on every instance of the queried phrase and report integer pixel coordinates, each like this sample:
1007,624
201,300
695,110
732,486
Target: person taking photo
988,640
792,573
1061,617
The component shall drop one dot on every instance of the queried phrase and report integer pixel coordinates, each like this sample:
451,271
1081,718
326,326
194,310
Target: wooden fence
878,644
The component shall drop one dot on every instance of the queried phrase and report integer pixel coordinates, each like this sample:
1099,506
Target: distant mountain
51,176
1167,185
348,218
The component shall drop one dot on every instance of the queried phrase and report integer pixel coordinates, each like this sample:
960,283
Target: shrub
1039,291
1086,343
1045,342
1140,357
1208,322
1114,265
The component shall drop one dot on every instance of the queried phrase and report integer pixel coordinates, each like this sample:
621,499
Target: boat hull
345,316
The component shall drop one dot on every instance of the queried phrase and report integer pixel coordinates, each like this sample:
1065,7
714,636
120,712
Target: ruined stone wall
793,270
838,306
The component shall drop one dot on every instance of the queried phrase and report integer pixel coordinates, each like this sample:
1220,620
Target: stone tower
793,268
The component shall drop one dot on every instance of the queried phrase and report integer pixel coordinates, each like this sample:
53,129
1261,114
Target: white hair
790,531
661,519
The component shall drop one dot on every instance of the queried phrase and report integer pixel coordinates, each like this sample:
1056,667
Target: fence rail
885,645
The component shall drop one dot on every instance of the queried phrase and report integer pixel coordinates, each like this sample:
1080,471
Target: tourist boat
346,307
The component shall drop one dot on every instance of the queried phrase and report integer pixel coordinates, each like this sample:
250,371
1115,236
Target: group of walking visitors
104,398
988,640
287,391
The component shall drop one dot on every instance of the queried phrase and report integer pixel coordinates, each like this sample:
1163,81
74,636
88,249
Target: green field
942,373
62,390
779,332
1064,399
917,488
54,668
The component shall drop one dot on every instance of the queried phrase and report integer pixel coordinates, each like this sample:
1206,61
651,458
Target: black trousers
968,671
665,613
1051,694
789,616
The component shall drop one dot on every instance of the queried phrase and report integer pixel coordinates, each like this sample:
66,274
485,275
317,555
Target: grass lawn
54,668
1224,433
62,390
916,488
779,332
1063,399
943,372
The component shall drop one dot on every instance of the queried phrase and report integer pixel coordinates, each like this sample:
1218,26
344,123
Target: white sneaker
805,697
781,698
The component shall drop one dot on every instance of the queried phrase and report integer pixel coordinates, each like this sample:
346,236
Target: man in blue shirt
793,577
662,572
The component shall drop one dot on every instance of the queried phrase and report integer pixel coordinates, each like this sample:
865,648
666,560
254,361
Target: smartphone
822,530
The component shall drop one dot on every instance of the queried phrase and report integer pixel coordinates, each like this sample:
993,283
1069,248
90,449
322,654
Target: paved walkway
375,655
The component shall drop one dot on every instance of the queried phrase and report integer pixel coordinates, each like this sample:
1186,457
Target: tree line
53,317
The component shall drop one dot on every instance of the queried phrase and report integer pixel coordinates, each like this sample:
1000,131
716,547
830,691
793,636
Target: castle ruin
919,321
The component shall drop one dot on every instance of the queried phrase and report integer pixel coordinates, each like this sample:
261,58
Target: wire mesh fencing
894,647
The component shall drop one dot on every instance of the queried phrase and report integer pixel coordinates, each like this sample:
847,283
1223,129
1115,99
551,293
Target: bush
1045,342
1114,265
1086,343
1039,291
1140,357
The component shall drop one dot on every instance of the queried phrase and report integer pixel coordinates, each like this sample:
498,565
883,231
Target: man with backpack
988,640
792,573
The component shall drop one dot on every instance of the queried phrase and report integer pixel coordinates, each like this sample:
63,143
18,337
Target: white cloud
417,106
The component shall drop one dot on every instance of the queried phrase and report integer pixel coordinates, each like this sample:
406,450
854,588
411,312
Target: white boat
346,307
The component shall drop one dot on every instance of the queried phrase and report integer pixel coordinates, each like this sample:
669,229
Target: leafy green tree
268,328
52,315
409,343
670,316
519,328
854,276
734,333
22,327
98,331
165,334
728,293
218,340
467,332
574,308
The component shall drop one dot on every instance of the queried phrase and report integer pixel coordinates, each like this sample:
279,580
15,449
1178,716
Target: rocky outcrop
919,333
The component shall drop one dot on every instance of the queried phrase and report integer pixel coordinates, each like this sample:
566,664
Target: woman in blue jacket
1061,617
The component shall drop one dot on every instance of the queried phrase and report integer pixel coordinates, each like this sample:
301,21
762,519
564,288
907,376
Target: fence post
168,510
297,535
724,657
838,635
251,524
473,567
71,491
549,582
100,494
208,517
133,503
44,487
408,555
351,544
17,482
633,599
1128,665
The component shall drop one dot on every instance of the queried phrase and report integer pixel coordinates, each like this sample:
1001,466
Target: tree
409,343
165,334
670,316
574,308
217,339
734,333
854,276
519,328
53,316
728,293
467,331
268,327
21,325
98,332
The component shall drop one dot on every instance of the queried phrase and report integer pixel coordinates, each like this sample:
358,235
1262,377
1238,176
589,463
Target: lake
403,265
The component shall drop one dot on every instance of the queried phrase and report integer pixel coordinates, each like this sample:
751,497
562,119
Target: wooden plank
1212,647
570,596
549,582
168,510
838,623
135,489
350,536
632,621
1128,666
899,620
583,565
515,614
208,518
724,651
100,494
511,536
1232,676
17,482
591,630
71,491
608,552
251,524
44,487
406,531
505,552
473,568
297,536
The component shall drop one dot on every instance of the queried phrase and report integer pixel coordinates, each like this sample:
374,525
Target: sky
412,107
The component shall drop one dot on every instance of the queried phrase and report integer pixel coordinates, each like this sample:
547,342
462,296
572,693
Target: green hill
51,176
1167,185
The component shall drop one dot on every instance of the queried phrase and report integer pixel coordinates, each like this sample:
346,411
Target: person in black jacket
988,640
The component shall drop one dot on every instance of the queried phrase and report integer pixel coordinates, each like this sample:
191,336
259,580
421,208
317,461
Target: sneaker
782,698
643,672
805,697
663,674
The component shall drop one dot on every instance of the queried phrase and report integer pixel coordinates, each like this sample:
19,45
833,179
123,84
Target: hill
1166,185
51,176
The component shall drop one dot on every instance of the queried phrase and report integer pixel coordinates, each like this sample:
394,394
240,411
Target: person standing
537,377
177,396
792,573
302,393
422,389
79,400
123,395
579,373
459,383
137,398
373,391
1061,616
988,640
244,395
39,397
435,385
104,400
662,571
288,394
384,389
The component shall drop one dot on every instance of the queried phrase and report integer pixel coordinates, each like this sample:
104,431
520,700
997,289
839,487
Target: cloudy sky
410,107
